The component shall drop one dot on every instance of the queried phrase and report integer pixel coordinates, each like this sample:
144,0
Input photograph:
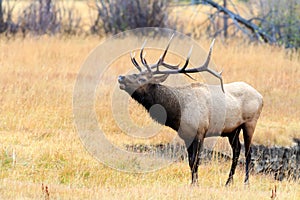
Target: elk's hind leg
236,149
248,130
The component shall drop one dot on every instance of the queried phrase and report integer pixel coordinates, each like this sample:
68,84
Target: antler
175,68
159,63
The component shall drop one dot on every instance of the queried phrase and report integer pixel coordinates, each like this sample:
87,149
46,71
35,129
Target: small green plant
7,159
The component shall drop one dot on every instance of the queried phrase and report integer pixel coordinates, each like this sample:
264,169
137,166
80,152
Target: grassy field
40,147
39,143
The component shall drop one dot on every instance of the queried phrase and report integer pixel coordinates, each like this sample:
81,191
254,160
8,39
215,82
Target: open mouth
121,84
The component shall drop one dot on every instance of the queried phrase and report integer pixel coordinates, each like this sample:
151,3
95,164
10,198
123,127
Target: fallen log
281,162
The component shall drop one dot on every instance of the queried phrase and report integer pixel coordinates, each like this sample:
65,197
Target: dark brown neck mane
151,94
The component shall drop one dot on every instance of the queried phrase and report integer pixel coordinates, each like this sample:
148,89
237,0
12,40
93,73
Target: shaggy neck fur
151,94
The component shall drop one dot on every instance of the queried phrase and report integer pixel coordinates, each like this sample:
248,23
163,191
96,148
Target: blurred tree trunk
1,13
3,25
291,18
225,20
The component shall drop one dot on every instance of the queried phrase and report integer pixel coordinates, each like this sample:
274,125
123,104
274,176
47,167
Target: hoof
229,182
194,184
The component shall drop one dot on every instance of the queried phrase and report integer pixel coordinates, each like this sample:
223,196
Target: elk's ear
160,79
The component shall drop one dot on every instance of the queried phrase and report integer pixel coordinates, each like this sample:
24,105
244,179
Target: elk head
132,82
153,74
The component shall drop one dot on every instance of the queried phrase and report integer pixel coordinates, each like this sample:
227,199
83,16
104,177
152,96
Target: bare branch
253,27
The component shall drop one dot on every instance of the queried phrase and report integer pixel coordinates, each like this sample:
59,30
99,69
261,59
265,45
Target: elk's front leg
194,153
236,149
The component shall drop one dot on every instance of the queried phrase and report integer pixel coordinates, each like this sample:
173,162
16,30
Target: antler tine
187,59
162,58
209,54
166,50
202,68
170,66
190,76
166,65
218,75
135,63
187,62
144,62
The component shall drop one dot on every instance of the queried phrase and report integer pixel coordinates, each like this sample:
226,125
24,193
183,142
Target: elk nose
121,78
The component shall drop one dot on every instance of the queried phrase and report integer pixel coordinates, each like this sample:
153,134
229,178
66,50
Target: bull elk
190,109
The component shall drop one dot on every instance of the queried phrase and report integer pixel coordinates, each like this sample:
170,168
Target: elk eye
142,80
134,75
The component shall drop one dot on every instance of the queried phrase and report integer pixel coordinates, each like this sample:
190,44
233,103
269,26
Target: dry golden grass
36,123
39,143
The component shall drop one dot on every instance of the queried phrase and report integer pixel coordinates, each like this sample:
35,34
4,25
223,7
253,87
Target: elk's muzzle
121,80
